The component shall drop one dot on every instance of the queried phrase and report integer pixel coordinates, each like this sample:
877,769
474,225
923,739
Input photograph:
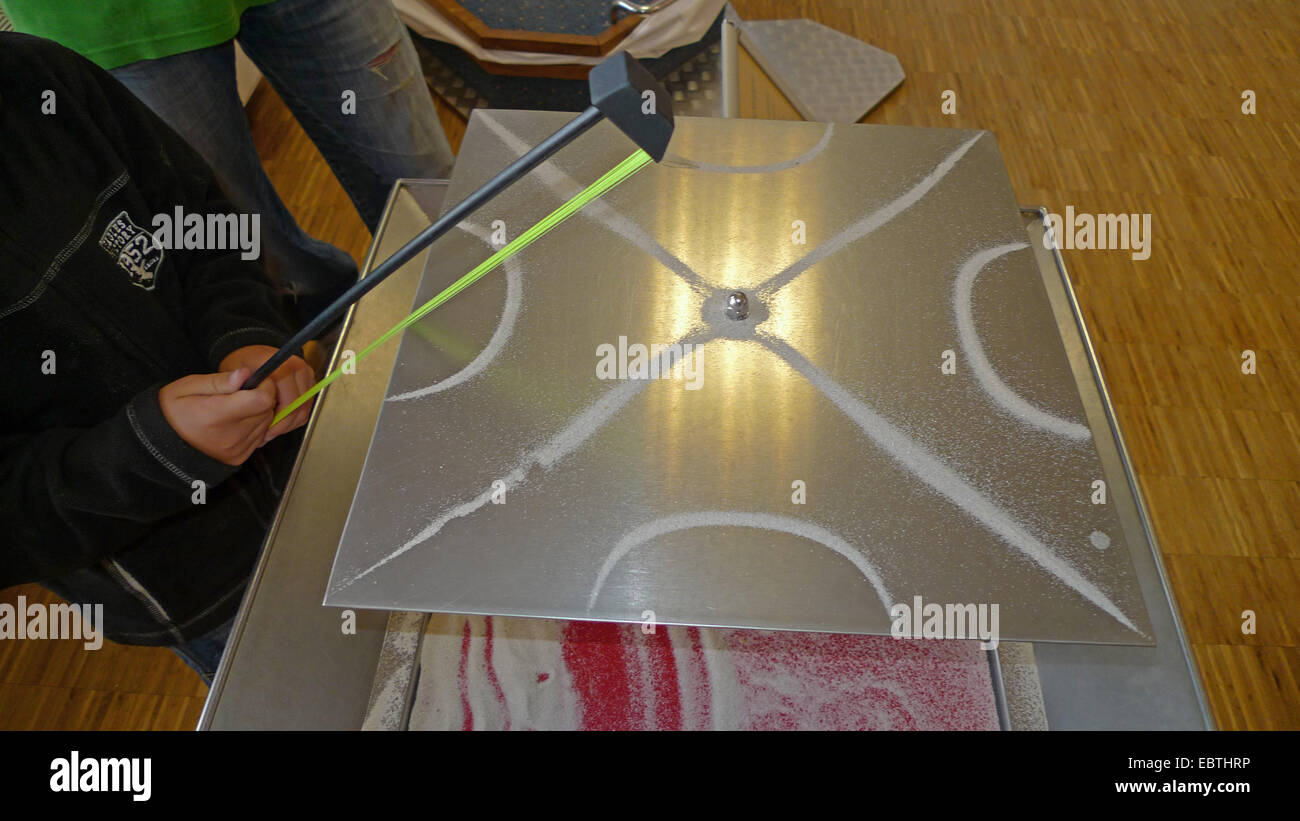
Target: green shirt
116,32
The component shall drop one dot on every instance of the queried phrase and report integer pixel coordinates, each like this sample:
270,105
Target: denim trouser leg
203,655
195,93
317,51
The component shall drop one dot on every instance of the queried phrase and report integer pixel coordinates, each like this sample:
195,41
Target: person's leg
196,94
350,74
204,653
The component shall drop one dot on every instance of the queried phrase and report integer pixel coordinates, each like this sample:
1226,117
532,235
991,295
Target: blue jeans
204,653
313,52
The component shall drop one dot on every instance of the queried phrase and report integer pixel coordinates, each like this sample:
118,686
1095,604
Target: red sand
689,678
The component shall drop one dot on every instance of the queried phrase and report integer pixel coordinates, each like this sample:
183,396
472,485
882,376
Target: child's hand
213,415
290,380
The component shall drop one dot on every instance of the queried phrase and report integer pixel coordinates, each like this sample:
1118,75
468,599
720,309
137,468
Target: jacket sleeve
229,301
81,494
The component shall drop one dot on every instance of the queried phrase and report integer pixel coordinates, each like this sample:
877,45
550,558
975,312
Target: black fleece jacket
97,492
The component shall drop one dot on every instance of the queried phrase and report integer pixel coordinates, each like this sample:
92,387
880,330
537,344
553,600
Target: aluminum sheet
630,500
826,74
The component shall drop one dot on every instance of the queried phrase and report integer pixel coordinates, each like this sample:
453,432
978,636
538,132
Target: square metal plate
803,469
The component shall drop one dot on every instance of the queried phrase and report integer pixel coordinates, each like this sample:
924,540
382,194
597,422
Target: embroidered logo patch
134,249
